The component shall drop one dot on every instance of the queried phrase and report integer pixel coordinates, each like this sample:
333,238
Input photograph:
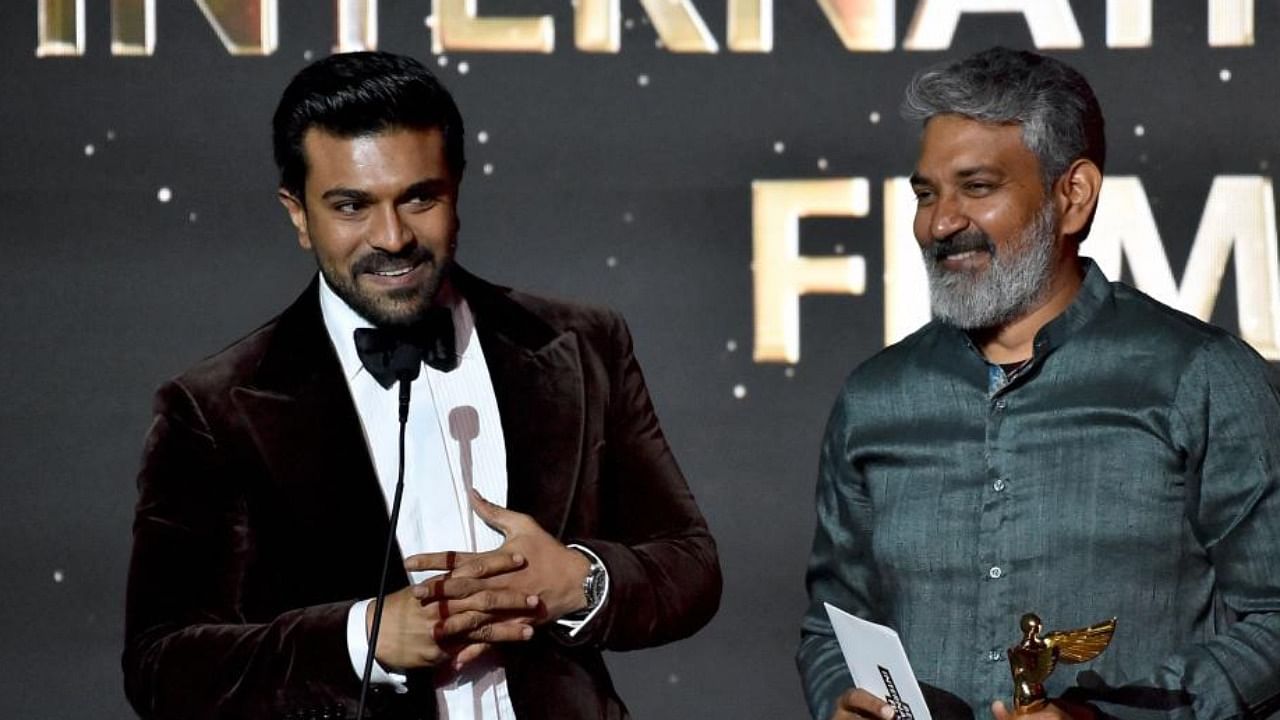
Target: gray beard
1011,284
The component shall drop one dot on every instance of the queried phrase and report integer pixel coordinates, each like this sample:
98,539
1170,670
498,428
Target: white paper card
878,663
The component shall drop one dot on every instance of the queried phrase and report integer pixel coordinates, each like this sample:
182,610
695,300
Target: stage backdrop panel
647,162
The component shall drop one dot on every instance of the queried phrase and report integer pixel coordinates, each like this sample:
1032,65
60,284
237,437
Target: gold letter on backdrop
459,28
245,27
597,26
1230,23
906,285
60,28
863,25
357,26
133,27
1239,216
781,274
750,26
680,26
1053,25
1129,23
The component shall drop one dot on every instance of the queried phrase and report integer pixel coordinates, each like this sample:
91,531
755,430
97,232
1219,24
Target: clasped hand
481,598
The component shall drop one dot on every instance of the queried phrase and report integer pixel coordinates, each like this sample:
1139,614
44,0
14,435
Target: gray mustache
964,242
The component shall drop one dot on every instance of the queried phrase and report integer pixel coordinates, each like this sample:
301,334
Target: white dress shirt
453,443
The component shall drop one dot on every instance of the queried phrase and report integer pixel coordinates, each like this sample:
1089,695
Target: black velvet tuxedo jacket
260,519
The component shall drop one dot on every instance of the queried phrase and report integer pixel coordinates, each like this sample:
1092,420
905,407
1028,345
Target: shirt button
998,485
1000,404
995,572
994,655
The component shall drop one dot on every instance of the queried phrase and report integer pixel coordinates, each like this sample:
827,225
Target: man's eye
923,196
420,202
978,188
347,208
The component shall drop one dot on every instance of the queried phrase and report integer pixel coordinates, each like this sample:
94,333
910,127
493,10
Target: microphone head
464,423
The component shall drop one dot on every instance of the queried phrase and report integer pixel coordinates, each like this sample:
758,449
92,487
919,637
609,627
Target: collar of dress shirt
342,321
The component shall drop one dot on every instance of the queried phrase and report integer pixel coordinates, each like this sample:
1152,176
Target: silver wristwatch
593,584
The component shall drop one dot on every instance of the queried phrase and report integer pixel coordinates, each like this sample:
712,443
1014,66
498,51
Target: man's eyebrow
977,170
918,179
341,193
430,187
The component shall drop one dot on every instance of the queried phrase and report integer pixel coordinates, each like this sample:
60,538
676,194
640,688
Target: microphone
406,363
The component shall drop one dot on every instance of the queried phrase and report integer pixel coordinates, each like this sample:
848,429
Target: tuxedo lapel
299,412
537,378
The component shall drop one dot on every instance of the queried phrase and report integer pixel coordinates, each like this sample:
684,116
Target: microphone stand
406,377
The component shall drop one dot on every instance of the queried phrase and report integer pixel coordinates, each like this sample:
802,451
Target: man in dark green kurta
1050,442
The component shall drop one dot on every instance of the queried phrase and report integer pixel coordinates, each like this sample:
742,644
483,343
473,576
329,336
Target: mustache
962,242
379,261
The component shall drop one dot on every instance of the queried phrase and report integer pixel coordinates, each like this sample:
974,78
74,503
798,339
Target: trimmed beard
400,309
1011,284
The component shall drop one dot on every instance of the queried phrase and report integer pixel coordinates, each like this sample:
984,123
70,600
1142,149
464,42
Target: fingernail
531,601
887,712
527,632
517,558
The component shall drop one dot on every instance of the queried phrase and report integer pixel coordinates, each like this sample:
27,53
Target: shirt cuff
575,626
358,650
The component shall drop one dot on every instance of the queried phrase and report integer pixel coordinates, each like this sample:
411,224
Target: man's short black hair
364,93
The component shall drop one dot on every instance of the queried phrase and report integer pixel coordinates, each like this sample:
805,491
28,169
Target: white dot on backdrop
874,117
111,135
1263,164
839,248
673,678
739,391
658,43
1139,130
164,194
483,137
779,147
789,372
731,345
464,67
611,261
643,81
629,23
443,61
1142,158
89,150
822,163
1224,75
488,168
307,55
429,21
192,217
628,217
58,576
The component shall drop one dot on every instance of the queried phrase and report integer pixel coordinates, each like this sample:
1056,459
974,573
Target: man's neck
1014,341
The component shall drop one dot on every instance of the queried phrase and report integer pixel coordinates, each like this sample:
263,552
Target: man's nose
390,232
947,219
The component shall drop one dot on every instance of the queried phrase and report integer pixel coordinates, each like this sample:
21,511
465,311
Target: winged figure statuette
1034,658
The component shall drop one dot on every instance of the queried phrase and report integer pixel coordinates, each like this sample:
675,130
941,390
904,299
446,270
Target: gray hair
1060,117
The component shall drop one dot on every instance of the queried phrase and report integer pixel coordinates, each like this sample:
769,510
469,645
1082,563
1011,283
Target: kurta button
994,655
998,485
995,572
1000,404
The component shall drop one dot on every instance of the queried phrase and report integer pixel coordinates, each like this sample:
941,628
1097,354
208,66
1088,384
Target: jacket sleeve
664,572
190,651
1230,423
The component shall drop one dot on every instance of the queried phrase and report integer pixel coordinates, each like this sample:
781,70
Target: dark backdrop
601,189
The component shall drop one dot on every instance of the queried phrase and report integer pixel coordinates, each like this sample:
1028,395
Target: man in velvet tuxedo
544,517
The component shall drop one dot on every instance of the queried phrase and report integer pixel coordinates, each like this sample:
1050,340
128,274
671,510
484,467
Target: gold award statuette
1033,659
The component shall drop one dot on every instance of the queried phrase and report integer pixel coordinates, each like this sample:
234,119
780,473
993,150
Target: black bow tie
395,353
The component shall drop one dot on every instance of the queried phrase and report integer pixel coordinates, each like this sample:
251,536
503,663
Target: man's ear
1077,195
297,215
